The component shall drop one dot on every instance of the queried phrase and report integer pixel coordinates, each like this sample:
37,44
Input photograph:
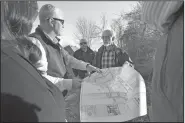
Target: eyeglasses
83,43
62,21
106,36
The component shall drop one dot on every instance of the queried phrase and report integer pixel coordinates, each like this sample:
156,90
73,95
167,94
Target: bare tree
86,29
89,30
104,22
137,38
103,25
118,27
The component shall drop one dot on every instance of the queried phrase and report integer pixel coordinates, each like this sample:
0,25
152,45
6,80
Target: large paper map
116,95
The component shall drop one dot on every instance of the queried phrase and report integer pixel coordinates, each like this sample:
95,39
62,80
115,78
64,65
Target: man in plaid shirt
109,55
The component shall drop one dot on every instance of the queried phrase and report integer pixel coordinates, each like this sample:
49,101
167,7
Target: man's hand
91,68
76,83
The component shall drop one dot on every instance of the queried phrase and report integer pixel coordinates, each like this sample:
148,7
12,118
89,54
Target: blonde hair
17,17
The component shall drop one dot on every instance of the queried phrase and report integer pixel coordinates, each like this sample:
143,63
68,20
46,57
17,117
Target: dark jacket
84,56
25,96
120,59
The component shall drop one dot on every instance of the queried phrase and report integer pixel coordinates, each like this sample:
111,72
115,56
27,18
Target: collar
47,35
83,50
54,40
47,39
110,47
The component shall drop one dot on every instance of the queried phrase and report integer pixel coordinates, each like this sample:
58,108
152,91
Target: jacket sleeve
77,64
93,57
97,58
122,57
61,83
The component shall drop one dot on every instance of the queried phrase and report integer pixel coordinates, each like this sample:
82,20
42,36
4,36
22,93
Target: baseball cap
107,33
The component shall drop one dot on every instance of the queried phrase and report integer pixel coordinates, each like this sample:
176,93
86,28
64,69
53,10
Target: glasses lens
83,43
62,21
106,36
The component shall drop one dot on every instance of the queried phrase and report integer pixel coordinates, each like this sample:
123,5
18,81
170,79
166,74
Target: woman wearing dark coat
25,95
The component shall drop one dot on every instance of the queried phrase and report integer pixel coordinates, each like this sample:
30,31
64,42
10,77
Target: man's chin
59,34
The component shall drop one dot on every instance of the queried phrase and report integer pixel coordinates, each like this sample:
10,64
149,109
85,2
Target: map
116,95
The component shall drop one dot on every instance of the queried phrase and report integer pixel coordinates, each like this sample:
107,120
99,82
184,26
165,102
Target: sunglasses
61,21
106,36
83,43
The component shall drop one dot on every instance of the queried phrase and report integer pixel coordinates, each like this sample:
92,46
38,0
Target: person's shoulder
5,56
90,50
77,51
9,48
35,35
101,48
118,50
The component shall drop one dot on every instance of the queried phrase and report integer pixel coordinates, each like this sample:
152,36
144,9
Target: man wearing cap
85,54
109,55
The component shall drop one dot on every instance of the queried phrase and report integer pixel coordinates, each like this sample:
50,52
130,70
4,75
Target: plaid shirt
108,58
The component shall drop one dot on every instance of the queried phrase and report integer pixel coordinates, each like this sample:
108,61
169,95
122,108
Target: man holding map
109,55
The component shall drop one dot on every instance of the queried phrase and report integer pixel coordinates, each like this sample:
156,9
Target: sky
91,10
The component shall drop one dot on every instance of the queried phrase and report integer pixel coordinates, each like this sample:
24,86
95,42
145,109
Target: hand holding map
116,95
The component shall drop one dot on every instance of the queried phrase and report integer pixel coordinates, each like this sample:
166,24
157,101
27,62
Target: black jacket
84,56
25,96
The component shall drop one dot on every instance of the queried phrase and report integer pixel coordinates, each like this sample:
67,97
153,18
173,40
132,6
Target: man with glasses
109,55
85,54
52,64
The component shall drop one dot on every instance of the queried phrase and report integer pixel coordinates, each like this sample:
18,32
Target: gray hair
108,32
46,11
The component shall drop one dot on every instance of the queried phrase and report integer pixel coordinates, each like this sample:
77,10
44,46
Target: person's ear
51,22
113,38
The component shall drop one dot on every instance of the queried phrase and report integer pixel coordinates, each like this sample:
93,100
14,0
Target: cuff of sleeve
67,83
59,84
84,65
87,65
63,84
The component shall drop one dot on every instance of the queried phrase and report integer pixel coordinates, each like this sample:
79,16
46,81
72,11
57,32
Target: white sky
88,9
